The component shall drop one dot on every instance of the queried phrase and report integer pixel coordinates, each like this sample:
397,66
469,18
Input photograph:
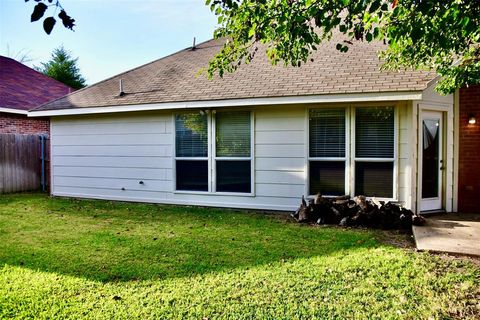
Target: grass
64,258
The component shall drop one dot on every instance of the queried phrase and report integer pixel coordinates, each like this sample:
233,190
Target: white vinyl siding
280,153
406,154
106,157
141,147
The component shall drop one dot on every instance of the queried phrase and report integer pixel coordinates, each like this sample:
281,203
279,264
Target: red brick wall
469,151
20,124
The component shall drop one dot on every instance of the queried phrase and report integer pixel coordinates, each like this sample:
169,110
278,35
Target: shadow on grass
111,241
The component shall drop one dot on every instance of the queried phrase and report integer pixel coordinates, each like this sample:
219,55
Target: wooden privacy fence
20,162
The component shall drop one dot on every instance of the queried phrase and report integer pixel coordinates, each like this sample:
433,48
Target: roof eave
14,111
330,98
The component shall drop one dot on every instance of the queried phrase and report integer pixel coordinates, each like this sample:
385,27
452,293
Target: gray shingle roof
175,78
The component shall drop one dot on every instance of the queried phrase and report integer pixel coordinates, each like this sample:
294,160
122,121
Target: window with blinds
374,132
232,134
233,151
191,152
374,151
191,135
327,133
327,151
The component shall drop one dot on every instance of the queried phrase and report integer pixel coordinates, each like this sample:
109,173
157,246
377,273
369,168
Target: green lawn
62,258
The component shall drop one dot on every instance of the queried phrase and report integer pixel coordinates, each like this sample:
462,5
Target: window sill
207,193
312,196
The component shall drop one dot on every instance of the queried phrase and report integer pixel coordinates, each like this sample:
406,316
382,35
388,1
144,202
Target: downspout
43,139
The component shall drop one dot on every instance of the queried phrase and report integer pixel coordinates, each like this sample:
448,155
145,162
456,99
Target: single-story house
21,89
258,138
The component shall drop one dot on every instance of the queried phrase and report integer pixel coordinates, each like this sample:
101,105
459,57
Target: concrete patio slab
457,233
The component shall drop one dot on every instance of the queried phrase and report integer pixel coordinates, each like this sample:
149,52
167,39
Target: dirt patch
401,239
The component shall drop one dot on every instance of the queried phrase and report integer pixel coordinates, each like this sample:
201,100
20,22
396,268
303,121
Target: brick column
469,151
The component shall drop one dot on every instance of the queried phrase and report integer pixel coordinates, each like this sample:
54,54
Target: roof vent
122,93
193,46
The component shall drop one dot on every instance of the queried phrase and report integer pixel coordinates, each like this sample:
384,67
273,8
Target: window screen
374,132
327,133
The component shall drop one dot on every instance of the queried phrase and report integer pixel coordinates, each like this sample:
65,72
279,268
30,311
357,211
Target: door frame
434,204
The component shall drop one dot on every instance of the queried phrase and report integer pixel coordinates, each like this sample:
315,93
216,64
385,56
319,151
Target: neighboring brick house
21,89
469,147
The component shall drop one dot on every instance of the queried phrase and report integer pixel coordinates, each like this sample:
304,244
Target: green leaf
48,24
369,37
374,6
38,12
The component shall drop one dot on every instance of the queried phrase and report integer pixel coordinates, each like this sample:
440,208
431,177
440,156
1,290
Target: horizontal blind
374,132
191,136
327,132
233,134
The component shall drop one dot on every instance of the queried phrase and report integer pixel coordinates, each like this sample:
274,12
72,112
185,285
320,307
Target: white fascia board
334,98
15,111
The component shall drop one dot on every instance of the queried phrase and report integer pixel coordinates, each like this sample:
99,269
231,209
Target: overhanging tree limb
442,36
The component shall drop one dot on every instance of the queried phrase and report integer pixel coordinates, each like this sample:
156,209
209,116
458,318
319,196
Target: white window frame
175,158
350,158
347,148
215,158
212,158
394,160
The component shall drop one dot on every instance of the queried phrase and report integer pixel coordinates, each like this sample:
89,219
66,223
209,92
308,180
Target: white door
431,161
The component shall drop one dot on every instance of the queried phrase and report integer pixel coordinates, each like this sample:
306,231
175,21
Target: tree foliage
42,7
63,67
442,36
